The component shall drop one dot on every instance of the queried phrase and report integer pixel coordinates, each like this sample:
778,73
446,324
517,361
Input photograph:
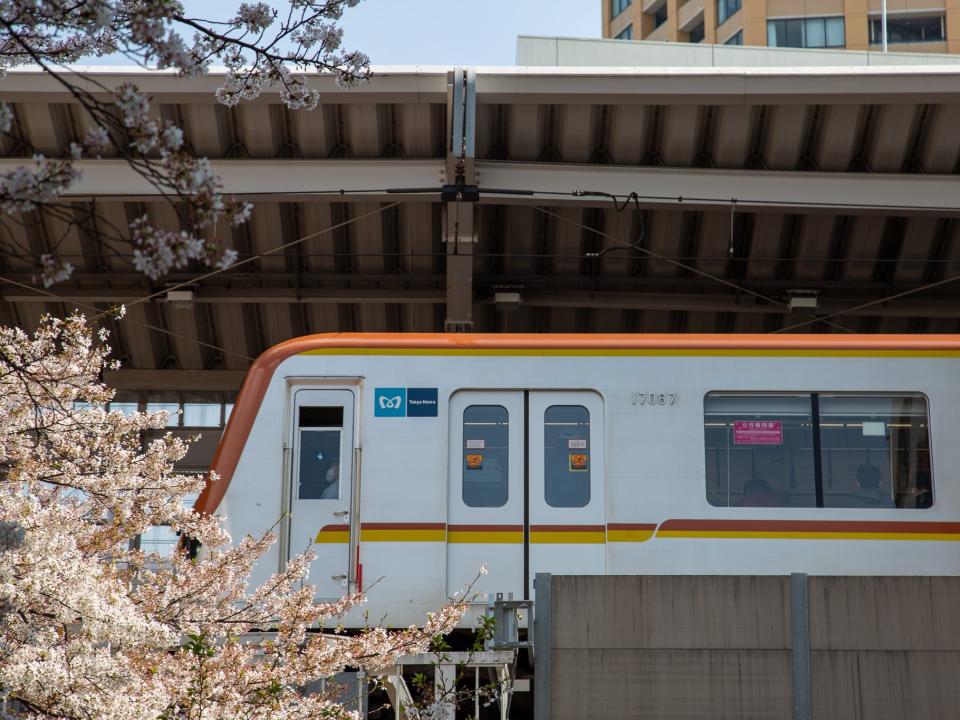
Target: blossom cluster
92,626
261,48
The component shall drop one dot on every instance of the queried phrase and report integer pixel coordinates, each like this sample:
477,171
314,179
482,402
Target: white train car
409,460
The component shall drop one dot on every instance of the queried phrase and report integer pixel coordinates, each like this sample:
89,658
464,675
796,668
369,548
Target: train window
319,473
321,416
486,455
566,456
875,451
817,450
759,450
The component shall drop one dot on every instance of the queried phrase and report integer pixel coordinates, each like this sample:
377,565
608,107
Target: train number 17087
655,398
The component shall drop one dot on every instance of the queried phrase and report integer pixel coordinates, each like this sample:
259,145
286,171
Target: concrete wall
885,647
723,647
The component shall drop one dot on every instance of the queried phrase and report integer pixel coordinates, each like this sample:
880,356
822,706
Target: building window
660,16
696,33
726,8
161,539
618,6
817,450
189,410
168,403
735,39
626,33
566,456
912,28
806,33
125,403
486,456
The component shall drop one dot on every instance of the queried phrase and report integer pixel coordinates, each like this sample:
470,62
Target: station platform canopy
766,199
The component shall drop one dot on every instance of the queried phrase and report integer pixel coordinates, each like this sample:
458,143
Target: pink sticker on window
758,432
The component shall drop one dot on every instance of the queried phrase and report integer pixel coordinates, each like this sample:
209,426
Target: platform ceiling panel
672,264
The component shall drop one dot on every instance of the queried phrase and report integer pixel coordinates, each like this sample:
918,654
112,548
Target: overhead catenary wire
717,200
279,248
148,326
620,245
872,303
571,256
620,202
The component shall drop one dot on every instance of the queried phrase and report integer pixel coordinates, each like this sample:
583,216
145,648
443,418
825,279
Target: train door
485,524
566,511
322,486
526,492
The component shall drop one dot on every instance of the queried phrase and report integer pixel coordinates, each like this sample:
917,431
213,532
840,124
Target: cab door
485,491
322,486
567,518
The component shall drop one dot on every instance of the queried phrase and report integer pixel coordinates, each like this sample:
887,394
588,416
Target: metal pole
883,24
800,632
543,642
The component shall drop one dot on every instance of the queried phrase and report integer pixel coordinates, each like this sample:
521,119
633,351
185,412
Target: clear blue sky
450,32
443,32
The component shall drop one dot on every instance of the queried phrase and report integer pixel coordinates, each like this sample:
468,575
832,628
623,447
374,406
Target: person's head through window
331,479
758,493
868,488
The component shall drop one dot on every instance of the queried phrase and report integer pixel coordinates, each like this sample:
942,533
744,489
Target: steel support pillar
459,209
800,632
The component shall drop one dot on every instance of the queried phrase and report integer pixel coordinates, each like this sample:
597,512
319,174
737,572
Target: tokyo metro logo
390,402
405,402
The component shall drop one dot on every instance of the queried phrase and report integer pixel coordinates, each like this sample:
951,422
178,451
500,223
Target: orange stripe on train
810,529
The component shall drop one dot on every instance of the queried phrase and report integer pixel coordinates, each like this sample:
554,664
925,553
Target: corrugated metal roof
789,131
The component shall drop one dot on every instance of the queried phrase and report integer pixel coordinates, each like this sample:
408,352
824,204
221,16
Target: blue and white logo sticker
405,402
422,402
390,402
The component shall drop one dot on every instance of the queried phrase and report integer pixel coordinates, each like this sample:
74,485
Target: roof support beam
237,296
262,179
175,380
680,188
690,301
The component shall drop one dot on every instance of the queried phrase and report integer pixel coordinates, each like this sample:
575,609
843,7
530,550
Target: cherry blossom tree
261,48
91,628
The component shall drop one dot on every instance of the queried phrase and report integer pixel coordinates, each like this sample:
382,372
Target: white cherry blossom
91,628
260,47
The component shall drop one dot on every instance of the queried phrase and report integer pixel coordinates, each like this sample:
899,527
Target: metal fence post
800,631
543,646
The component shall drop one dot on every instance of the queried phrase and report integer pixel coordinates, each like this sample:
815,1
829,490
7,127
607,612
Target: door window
566,456
486,455
320,430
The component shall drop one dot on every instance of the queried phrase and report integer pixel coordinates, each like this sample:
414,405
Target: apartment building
912,25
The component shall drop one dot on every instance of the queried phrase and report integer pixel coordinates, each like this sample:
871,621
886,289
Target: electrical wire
627,198
130,320
558,256
234,266
676,263
872,303
620,203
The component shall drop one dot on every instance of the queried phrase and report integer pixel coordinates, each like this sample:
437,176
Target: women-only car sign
758,432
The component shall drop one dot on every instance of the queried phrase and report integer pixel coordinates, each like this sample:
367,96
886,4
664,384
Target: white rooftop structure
537,51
